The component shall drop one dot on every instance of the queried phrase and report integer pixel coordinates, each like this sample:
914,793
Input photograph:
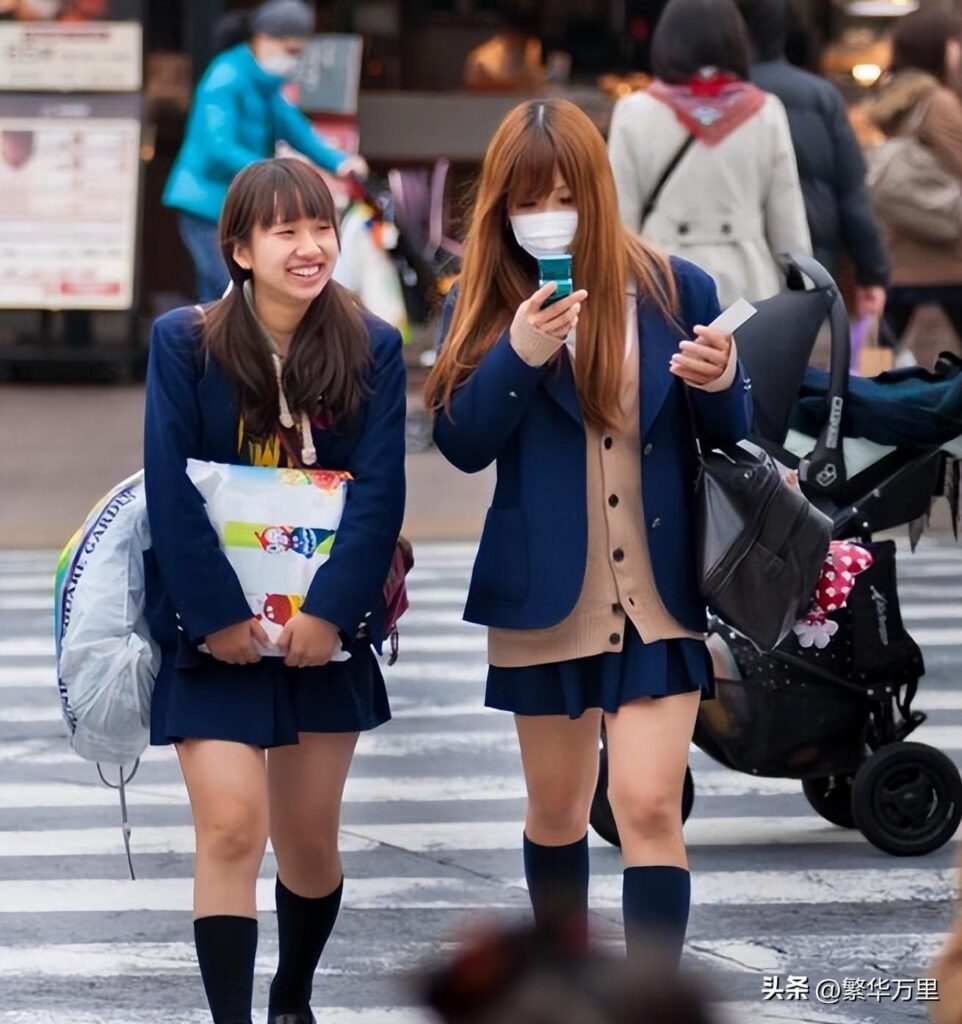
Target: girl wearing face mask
265,744
585,571
238,116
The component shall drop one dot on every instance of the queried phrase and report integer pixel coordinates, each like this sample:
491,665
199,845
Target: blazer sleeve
487,407
195,571
294,128
786,224
350,583
621,156
724,416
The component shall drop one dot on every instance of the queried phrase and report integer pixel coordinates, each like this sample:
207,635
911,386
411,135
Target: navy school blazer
193,411
530,565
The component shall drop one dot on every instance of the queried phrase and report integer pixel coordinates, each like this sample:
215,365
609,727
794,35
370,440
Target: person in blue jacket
287,371
585,574
238,116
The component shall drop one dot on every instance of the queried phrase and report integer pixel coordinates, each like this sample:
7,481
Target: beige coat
916,262
730,208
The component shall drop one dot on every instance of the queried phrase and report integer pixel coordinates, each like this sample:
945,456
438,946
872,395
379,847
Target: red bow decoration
711,83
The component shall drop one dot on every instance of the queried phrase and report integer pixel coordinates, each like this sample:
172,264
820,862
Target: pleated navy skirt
605,681
267,704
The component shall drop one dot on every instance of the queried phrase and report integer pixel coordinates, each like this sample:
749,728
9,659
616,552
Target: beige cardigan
619,583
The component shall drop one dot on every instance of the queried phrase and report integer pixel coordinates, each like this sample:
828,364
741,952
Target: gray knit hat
281,18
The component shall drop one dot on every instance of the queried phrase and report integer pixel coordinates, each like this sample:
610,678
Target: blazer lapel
560,384
657,344
220,412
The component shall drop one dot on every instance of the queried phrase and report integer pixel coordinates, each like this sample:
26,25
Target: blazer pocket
501,568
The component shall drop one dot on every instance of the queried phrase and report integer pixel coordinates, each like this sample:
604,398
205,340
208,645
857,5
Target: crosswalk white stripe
717,781
761,954
817,887
735,1012
429,837
387,743
120,1015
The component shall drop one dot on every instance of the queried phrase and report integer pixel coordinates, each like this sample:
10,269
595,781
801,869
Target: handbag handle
665,178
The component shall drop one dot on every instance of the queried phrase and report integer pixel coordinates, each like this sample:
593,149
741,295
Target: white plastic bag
276,526
106,659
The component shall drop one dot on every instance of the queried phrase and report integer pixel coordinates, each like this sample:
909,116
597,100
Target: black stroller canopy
775,347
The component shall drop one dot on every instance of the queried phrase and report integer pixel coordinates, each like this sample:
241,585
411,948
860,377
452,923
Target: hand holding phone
557,319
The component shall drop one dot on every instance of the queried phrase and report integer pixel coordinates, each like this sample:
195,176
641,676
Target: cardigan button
648,448
613,501
683,229
655,523
618,555
615,638
512,394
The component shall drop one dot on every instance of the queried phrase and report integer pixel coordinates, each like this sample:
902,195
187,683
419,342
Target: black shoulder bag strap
665,178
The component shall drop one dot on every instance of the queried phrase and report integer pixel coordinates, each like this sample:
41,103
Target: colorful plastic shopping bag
277,527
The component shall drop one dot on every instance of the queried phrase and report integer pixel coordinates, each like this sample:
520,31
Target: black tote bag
760,543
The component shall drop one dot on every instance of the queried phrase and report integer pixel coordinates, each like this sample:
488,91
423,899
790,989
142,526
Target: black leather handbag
760,543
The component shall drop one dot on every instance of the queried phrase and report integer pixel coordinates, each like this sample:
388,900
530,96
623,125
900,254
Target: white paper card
737,314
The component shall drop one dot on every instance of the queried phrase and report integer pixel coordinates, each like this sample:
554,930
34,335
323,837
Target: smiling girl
285,370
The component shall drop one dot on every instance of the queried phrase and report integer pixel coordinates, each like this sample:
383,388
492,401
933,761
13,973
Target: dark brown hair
330,350
693,34
920,42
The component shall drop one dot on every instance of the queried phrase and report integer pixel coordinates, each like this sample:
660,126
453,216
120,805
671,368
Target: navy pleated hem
267,704
605,681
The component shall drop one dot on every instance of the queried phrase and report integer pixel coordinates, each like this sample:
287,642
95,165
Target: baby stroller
837,719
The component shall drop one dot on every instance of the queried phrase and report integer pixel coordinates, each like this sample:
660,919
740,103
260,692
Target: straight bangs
530,177
299,196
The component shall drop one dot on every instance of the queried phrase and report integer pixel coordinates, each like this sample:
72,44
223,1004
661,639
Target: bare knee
558,815
235,833
644,811
313,852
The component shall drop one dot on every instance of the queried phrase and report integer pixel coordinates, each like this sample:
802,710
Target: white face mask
280,64
541,234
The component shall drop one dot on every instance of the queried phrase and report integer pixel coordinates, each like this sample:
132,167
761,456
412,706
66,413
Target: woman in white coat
732,203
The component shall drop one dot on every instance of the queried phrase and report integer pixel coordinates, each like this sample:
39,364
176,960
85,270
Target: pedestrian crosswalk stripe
426,837
800,878
467,892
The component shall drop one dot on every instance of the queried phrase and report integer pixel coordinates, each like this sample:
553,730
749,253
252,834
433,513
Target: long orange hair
497,275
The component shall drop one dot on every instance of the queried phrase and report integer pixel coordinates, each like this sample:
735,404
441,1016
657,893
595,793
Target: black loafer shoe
292,1018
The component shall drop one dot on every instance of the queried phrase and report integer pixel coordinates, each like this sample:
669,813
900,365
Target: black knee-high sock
655,902
557,878
303,928
226,947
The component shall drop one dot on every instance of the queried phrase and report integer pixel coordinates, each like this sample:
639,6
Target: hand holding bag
760,543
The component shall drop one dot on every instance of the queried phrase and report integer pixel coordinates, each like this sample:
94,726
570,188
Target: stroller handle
824,470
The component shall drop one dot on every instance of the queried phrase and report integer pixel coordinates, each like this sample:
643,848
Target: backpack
106,659
911,190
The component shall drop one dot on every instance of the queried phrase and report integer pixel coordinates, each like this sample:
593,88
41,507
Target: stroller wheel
831,797
602,818
907,799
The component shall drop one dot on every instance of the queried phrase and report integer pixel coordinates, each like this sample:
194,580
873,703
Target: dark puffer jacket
831,170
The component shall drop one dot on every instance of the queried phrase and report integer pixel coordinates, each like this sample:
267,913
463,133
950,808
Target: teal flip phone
555,268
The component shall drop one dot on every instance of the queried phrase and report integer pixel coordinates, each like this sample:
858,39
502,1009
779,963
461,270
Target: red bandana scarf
712,105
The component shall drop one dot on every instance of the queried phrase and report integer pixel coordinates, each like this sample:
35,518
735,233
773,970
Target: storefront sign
104,56
69,174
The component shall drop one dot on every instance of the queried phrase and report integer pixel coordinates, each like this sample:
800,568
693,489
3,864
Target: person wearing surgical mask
585,571
238,116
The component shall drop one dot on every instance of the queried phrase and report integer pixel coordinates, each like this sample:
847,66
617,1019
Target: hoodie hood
899,98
